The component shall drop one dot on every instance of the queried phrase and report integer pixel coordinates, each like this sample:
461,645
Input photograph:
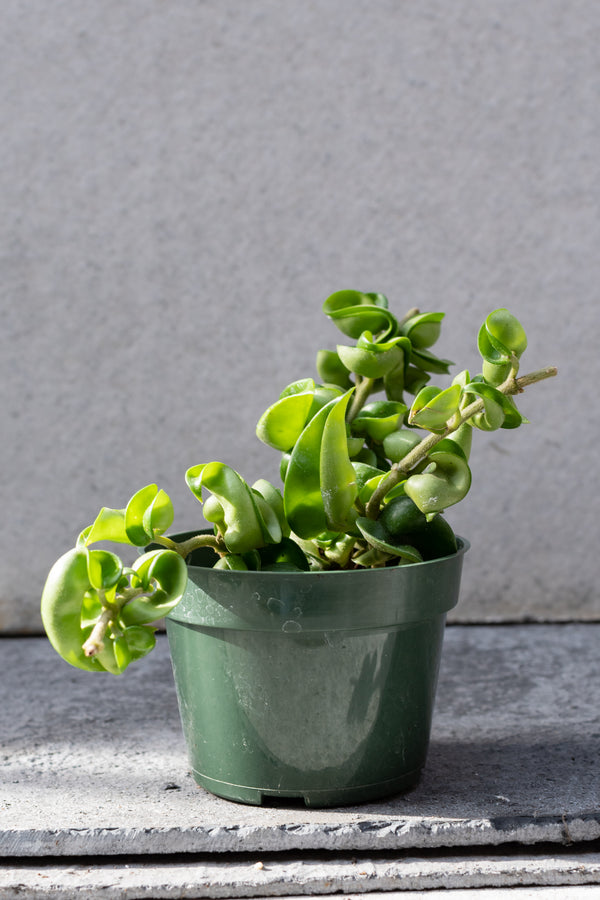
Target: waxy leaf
269,521
427,361
372,359
495,374
233,562
163,575
399,443
281,424
148,514
499,411
500,338
423,330
303,386
320,484
332,370
302,489
275,500
377,536
108,526
285,556
243,527
505,331
379,418
463,438
433,407
338,479
444,482
104,569
354,312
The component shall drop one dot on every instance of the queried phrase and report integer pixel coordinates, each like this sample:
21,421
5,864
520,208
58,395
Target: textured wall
184,183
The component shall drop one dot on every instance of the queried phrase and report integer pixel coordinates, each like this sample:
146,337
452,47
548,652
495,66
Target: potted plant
305,625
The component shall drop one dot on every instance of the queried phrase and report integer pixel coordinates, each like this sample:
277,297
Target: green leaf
281,424
140,640
338,479
158,516
332,370
302,498
148,511
505,331
272,532
108,526
433,407
275,500
104,569
286,555
445,481
65,590
379,418
427,361
377,536
495,374
462,437
242,527
373,359
398,444
492,351
163,574
499,410
423,330
354,312
302,386
394,382
414,380
233,562
320,485
364,472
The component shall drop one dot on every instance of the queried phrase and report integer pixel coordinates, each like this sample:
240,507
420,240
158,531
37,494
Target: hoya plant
371,454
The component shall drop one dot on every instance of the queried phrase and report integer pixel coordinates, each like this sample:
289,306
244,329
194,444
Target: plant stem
363,389
401,469
95,642
186,547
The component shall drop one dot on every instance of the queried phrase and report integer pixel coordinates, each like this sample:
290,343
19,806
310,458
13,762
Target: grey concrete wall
182,185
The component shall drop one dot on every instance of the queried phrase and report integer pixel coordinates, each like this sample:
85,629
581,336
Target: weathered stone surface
96,766
288,876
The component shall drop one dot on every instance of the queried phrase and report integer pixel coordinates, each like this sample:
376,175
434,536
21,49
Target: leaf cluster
371,454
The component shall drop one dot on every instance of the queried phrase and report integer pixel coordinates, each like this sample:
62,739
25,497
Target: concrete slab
285,877
94,766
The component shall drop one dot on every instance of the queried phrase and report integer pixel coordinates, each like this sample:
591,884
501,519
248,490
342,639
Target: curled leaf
148,514
281,424
354,312
332,370
398,443
444,482
163,576
378,537
433,408
499,410
379,418
423,330
373,359
242,526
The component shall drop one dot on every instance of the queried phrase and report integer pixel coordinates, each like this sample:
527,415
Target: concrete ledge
289,876
88,772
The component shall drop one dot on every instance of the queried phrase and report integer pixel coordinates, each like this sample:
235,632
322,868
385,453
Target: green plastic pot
311,685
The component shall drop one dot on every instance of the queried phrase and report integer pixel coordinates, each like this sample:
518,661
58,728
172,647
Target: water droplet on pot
289,627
